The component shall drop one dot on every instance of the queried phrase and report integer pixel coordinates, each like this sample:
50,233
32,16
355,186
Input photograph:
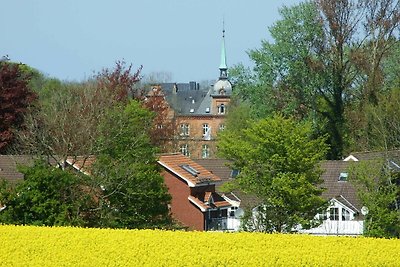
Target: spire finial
223,28
223,67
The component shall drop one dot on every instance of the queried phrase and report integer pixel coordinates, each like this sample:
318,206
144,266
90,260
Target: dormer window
221,109
222,91
207,110
234,173
343,176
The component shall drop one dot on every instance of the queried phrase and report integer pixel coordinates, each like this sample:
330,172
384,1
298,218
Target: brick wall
182,209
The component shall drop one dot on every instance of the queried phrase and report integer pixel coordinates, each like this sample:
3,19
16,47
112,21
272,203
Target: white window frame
346,215
334,216
221,109
205,151
185,129
205,128
184,149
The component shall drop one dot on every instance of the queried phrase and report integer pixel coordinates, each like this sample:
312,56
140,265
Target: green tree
324,55
278,163
133,192
378,187
46,196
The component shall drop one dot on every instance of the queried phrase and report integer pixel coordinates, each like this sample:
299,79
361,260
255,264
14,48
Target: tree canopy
133,192
47,196
15,98
278,163
326,56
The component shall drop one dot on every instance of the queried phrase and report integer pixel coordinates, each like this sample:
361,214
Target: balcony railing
217,224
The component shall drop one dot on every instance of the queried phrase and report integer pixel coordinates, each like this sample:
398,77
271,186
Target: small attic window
234,173
207,110
191,110
343,176
190,169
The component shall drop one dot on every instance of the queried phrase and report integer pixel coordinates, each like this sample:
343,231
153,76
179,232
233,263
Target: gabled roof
176,163
393,155
343,191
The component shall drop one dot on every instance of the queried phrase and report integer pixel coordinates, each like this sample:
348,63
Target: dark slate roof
393,155
9,164
188,97
342,191
220,167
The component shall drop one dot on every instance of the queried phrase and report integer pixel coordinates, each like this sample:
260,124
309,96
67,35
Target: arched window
221,109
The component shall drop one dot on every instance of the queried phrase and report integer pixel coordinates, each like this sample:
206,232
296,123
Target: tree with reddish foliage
15,98
163,123
122,84
120,81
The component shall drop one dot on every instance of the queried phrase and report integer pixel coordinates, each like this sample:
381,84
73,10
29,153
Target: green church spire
223,67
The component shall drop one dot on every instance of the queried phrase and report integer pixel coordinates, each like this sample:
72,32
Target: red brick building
198,114
195,204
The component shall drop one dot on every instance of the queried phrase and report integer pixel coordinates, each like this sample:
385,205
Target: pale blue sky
71,39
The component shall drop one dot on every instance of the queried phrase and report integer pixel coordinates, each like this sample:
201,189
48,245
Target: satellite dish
364,210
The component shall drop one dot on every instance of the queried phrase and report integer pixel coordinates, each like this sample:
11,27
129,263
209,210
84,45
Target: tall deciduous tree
65,121
134,195
325,55
15,98
278,163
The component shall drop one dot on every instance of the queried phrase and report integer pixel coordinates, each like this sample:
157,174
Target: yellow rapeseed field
64,246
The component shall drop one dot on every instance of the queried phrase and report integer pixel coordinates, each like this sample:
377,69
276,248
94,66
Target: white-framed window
334,214
205,151
205,128
184,149
221,127
185,129
221,109
345,215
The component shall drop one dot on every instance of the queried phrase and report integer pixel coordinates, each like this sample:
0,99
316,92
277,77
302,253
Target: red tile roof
81,163
175,163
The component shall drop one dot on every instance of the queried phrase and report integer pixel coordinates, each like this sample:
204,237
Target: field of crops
41,246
